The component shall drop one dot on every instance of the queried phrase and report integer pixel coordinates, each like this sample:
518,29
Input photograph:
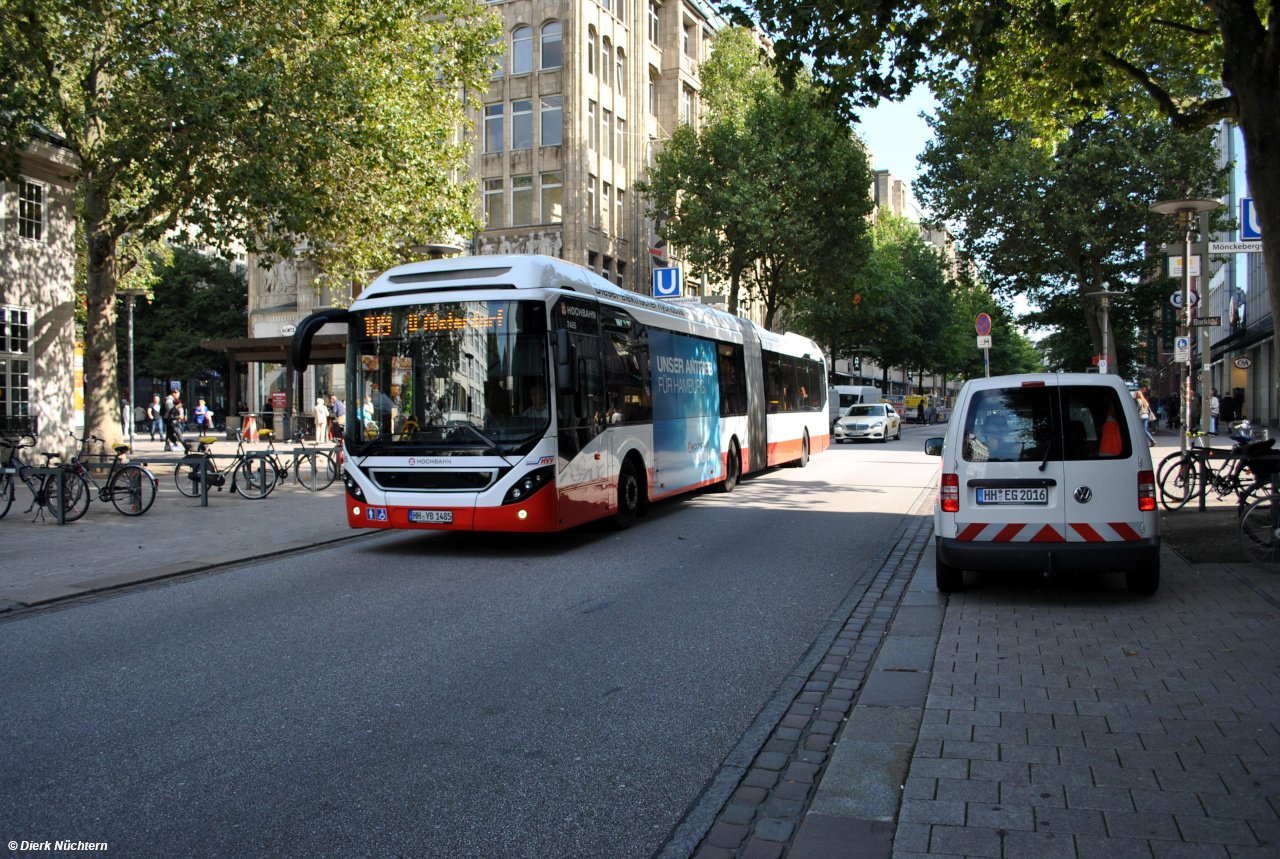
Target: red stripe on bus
1085,530
1048,534
1008,532
1125,531
971,531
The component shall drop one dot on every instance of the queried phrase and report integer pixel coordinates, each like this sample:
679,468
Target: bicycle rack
308,453
202,463
58,512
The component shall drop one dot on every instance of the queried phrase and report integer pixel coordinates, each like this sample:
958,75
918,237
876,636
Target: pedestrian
337,416
156,417
174,417
1228,409
322,421
1214,410
204,418
1144,412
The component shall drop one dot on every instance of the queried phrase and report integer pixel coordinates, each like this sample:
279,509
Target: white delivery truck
840,397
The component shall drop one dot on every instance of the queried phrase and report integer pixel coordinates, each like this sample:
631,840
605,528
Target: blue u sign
666,282
1250,229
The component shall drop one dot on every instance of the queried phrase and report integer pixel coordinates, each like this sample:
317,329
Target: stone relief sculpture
548,242
281,278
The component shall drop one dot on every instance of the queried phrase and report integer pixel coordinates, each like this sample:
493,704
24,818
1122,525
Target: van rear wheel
949,579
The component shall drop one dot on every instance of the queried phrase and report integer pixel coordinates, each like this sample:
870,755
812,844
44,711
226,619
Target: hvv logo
1250,229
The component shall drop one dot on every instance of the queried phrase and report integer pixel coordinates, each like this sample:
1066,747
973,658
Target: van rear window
1095,423
1009,425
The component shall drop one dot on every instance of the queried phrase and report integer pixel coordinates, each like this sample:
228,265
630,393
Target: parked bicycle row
66,489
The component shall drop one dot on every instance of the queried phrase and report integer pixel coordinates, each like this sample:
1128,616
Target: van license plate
1038,495
437,516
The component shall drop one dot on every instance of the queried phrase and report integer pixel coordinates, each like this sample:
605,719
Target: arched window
522,51
606,60
653,91
591,50
552,46
620,76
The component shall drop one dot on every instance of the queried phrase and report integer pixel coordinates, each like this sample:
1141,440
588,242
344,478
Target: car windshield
462,375
865,412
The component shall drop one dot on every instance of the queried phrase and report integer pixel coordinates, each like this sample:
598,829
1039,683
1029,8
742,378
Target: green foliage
770,193
196,297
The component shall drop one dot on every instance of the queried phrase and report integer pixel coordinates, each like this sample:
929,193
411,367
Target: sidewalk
44,561
1068,719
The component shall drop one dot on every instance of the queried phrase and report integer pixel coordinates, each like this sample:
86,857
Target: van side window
1094,423
1011,425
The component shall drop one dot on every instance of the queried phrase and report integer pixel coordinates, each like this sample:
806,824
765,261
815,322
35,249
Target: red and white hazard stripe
1026,532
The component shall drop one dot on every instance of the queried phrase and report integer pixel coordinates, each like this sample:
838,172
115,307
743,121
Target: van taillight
1033,384
950,493
1146,490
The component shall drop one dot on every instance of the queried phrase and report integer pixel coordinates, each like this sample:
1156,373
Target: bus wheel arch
732,467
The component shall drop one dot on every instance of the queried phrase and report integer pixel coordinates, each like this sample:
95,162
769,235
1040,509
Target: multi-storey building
585,92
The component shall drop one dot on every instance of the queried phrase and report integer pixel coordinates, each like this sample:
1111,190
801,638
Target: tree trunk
735,278
101,385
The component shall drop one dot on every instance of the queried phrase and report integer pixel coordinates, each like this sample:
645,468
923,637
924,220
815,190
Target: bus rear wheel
804,452
629,490
732,468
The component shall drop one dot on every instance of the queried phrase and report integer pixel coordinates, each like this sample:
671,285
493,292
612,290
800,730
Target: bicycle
130,488
44,487
1182,476
326,468
1260,523
251,474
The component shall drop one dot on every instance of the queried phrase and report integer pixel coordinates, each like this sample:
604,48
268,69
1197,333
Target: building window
606,197
606,60
618,222
591,50
31,205
606,133
606,271
15,361
522,124
521,201
622,272
493,128
499,61
552,198
620,73
552,125
686,106
690,43
653,91
495,210
522,51
655,31
618,9
605,5
621,149
591,125
552,45
592,256
591,204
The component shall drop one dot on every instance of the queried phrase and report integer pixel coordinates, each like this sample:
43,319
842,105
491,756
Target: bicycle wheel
187,477
132,490
75,494
1179,483
1260,534
1166,463
325,472
6,494
255,477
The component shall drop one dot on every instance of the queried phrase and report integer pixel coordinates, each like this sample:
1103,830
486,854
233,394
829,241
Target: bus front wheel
629,491
732,468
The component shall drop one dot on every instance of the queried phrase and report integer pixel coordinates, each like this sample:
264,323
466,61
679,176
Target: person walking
337,415
1144,412
322,421
174,418
1214,408
156,417
204,418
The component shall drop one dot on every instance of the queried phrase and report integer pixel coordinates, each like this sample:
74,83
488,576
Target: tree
1195,63
254,124
770,193
1048,218
196,297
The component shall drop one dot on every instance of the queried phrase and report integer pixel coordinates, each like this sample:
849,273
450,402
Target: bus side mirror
566,367
300,346
933,446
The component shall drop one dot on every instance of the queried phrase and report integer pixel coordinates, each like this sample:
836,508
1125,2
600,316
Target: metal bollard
204,482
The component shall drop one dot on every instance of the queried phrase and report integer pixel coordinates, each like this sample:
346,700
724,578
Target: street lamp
1188,212
1105,294
129,296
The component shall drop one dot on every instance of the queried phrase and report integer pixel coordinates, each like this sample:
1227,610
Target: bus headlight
353,488
529,484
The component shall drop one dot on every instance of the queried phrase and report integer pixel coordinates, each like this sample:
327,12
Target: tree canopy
251,124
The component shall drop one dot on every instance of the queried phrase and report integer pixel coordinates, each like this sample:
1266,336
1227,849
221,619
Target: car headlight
529,484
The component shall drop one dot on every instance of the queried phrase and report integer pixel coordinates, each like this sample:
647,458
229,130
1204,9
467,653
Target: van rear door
1101,498
1010,463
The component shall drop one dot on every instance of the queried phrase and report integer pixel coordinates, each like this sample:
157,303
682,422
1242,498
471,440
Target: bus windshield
467,376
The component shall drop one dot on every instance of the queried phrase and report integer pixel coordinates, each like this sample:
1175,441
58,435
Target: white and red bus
524,393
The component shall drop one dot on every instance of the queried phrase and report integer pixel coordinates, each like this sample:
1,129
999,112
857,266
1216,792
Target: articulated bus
524,393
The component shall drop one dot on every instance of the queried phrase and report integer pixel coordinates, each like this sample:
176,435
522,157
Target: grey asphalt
415,694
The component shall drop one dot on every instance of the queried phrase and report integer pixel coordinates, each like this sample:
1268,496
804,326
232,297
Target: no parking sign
983,324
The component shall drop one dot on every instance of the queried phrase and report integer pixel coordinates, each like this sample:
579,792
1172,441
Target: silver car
870,421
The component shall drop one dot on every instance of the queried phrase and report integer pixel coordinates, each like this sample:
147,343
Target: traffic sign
984,342
1254,247
1102,365
1182,350
1175,265
1206,322
666,282
1176,299
1249,226
983,324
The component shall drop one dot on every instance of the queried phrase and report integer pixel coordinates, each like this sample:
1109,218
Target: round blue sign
983,325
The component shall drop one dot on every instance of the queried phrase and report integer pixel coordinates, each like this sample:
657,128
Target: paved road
439,694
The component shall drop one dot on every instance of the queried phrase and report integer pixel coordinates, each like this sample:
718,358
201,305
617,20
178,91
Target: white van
840,397
1046,473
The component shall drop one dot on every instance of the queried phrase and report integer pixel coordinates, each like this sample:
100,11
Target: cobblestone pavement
1072,719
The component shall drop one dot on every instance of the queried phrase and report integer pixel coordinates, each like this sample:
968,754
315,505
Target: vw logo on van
1083,494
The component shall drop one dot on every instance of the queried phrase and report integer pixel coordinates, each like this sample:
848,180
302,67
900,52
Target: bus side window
732,369
626,367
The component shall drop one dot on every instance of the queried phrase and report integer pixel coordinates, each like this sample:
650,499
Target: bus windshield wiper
493,445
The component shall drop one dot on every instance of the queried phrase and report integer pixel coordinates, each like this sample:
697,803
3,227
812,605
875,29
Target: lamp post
1105,295
129,296
1188,212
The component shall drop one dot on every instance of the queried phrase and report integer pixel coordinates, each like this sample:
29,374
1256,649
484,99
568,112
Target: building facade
37,293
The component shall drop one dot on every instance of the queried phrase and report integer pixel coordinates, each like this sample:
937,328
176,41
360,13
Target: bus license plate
436,516
1038,495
